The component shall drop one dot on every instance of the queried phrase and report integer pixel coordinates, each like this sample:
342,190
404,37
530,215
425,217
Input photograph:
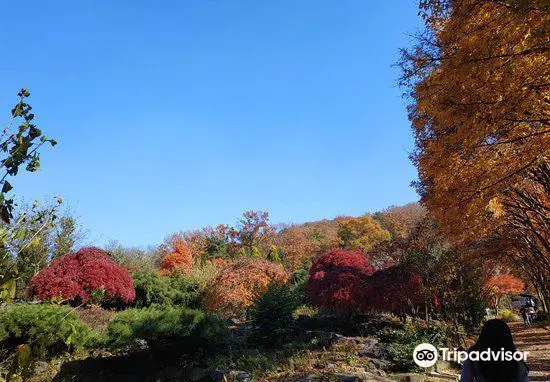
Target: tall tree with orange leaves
478,81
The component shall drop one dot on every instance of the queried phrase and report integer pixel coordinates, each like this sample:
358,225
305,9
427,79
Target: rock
41,367
239,375
409,377
441,366
443,376
370,365
217,375
347,377
141,345
380,363
381,373
331,366
198,373
367,342
242,376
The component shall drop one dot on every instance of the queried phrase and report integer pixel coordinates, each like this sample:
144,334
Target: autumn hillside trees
478,82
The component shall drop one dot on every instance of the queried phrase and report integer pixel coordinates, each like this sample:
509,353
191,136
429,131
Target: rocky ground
324,355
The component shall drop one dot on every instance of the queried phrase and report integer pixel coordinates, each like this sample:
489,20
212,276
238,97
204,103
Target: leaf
6,187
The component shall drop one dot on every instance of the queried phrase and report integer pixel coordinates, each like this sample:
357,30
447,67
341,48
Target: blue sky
174,115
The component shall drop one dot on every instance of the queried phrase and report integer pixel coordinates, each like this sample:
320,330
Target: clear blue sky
173,115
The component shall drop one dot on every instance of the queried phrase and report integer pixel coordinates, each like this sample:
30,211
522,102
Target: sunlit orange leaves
232,290
178,259
479,81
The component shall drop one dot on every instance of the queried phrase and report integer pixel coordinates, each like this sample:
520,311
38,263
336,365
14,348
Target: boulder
409,377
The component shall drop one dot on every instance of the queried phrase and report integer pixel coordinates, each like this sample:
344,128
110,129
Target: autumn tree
218,242
361,233
394,289
500,286
77,276
400,221
253,232
233,288
337,280
178,258
478,81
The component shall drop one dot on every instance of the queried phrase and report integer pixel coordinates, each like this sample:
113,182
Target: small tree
500,286
234,287
394,290
178,259
19,146
337,280
78,276
361,233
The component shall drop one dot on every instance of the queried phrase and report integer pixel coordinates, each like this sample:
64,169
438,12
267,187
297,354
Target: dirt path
535,340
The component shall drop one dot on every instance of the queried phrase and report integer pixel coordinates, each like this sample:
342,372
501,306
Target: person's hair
496,335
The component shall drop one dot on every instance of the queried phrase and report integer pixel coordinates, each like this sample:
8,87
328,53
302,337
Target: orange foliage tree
502,285
361,233
179,257
478,81
233,288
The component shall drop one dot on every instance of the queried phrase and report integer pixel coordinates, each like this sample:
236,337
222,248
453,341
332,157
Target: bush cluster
152,288
345,281
90,272
402,342
337,280
48,329
153,324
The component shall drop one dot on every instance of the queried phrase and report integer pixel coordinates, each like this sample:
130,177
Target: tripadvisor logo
426,355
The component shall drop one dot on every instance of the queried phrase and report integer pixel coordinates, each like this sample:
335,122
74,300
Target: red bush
393,289
337,280
75,276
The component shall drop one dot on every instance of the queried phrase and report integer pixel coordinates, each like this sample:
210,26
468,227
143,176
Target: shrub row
49,329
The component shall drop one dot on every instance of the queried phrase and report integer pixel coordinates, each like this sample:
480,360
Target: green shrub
153,324
271,312
151,288
402,341
49,329
174,290
508,315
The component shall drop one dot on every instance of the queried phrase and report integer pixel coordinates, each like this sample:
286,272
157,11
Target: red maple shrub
394,290
76,276
337,280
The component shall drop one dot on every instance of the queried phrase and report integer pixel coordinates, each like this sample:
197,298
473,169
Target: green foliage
299,282
65,236
402,342
151,288
508,315
271,313
174,290
49,329
153,324
21,147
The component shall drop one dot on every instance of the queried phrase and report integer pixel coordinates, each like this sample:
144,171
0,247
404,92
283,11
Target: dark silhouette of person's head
496,335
